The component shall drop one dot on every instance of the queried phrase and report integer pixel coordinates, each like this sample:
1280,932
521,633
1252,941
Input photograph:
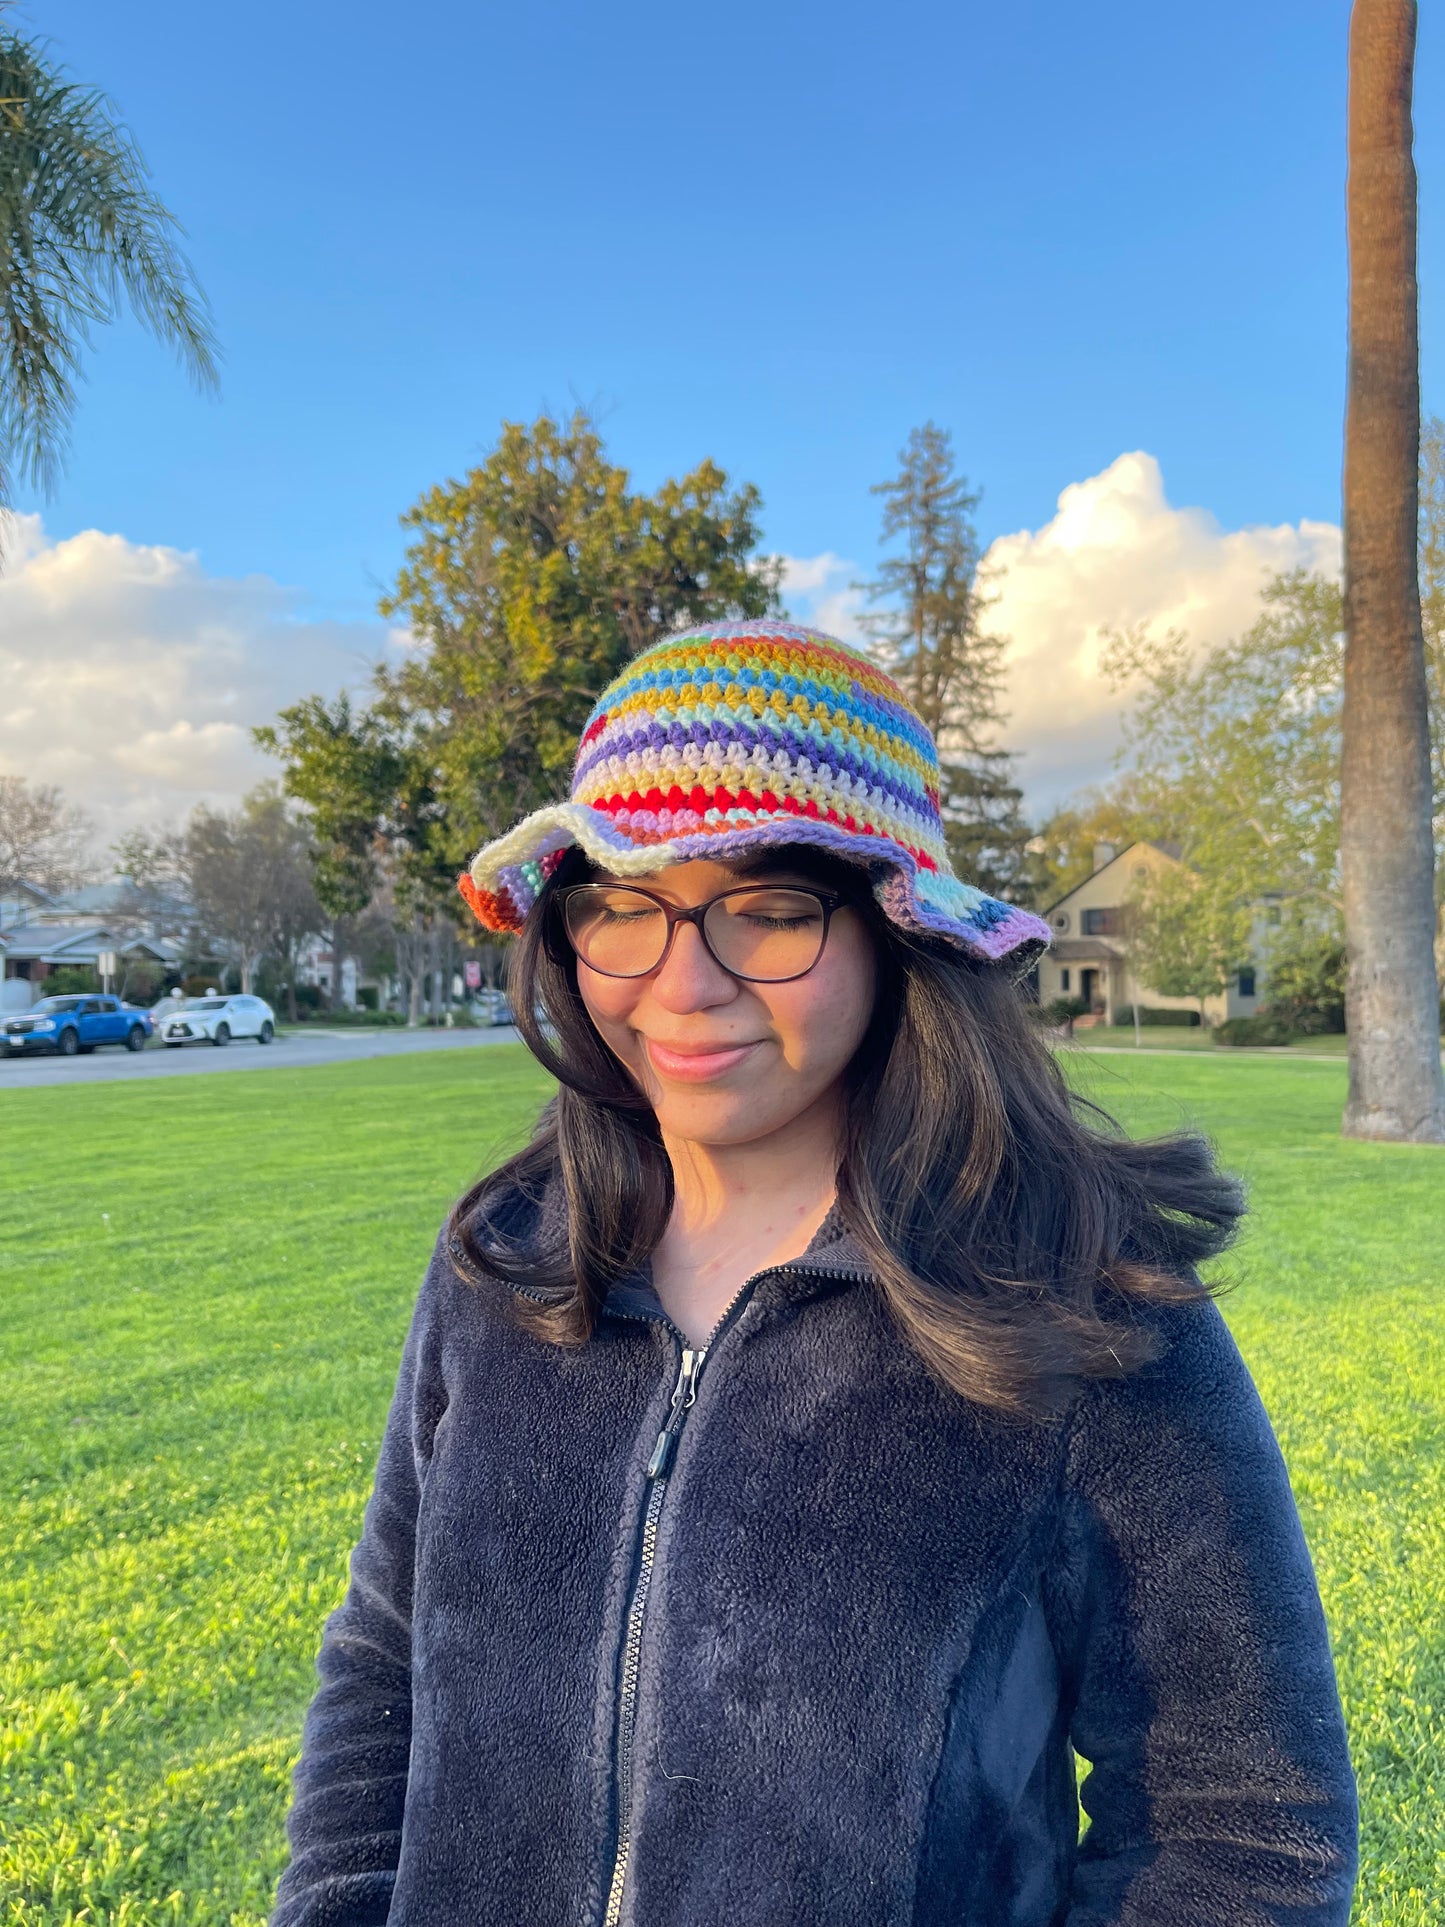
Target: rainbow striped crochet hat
723,739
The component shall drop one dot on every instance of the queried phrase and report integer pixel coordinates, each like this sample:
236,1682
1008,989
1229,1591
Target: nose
690,977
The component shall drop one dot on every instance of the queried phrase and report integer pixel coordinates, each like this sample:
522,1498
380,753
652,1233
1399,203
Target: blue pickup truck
71,1024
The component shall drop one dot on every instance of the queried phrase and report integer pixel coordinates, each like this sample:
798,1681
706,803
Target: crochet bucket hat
722,740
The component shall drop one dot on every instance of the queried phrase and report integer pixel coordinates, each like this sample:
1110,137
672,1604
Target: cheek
610,1002
821,1019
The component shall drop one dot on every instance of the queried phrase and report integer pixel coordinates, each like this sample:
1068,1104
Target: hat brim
507,876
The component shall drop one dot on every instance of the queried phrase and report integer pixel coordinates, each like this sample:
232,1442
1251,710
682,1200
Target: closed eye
604,913
761,922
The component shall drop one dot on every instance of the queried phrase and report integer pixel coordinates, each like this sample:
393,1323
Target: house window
1101,923
1064,981
1246,983
1061,921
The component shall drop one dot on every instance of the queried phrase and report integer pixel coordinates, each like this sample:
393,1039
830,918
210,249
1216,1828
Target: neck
741,1208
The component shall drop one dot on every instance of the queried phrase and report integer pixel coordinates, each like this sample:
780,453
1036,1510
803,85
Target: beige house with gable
1089,957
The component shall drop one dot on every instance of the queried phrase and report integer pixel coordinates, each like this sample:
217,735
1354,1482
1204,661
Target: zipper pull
683,1394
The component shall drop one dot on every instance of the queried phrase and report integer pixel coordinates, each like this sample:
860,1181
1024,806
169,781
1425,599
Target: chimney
1104,853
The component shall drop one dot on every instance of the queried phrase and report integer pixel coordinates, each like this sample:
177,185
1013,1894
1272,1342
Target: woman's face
724,1062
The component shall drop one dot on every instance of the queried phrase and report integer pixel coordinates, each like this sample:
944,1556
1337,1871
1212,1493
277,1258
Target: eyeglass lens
766,935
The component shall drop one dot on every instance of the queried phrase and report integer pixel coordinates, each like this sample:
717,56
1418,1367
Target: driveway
297,1049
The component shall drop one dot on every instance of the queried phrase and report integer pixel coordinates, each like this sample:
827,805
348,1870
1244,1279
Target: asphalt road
298,1049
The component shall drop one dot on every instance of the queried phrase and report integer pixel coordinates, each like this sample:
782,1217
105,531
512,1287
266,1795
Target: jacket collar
833,1256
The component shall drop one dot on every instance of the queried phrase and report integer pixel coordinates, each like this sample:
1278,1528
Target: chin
721,1120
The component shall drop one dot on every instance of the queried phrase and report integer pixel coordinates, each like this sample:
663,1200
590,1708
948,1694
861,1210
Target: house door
1089,987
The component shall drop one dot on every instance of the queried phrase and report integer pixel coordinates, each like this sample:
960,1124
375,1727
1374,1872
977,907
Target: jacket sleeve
1220,1792
349,1795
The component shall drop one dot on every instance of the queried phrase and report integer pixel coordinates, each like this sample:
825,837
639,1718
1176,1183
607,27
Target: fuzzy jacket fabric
876,1626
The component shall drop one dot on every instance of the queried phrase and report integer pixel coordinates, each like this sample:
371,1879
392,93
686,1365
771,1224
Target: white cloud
1116,554
132,678
818,590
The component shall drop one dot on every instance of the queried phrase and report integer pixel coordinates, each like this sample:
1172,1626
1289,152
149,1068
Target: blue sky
777,235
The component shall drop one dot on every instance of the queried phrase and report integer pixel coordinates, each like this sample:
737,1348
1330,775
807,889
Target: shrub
366,997
1265,1029
141,982
200,986
69,980
1061,1011
1307,984
1152,1014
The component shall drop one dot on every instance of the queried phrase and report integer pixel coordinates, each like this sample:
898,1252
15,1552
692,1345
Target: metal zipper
659,1470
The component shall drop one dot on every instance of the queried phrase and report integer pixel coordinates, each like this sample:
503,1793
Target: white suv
216,1020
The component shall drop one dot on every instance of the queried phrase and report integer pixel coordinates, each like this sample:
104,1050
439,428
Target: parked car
216,1020
75,1024
494,1007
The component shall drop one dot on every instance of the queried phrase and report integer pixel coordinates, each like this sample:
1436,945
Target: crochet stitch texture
721,739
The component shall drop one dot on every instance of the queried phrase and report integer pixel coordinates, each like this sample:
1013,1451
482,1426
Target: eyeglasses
760,932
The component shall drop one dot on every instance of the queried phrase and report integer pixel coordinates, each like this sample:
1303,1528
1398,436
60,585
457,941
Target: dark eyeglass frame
827,900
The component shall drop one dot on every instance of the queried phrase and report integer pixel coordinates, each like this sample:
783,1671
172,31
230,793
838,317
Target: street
296,1049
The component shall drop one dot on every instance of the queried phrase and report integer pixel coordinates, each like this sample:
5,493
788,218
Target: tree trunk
245,973
1386,850
415,959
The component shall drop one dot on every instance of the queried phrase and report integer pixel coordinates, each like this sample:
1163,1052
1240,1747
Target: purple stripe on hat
658,739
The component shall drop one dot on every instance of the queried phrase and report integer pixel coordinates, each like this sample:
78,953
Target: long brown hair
1010,1226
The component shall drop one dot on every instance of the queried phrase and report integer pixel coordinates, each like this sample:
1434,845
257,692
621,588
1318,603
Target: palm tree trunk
1386,850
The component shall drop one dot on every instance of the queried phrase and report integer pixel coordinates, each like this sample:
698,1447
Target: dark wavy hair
1012,1230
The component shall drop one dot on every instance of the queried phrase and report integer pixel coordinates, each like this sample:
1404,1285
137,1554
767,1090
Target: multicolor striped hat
724,739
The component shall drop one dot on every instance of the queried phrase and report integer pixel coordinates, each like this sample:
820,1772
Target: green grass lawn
1193,1037
206,1284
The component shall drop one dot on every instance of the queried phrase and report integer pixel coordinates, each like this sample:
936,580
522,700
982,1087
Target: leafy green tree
82,235
1237,751
529,583
1307,975
930,633
1189,933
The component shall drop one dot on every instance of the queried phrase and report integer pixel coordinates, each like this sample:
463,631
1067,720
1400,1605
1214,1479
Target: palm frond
82,235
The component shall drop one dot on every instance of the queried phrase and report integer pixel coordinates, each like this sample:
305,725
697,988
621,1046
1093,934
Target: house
30,950
1089,957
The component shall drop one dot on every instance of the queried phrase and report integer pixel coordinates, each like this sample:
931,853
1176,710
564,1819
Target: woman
818,1435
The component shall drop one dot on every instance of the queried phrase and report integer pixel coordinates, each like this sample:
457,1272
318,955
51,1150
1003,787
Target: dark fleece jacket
833,1665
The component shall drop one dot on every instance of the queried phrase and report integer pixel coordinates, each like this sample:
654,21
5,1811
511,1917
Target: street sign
474,975
107,964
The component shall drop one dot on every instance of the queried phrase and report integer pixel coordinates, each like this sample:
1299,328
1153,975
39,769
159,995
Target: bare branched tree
43,839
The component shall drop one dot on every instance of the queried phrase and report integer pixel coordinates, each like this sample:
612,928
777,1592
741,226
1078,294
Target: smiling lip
689,1065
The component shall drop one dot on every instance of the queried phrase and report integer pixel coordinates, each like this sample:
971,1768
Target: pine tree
929,632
